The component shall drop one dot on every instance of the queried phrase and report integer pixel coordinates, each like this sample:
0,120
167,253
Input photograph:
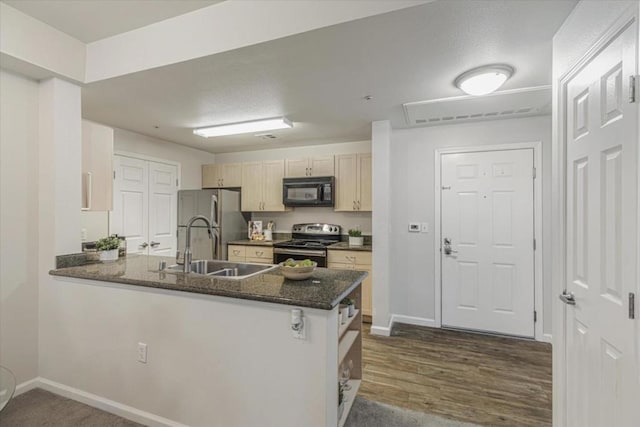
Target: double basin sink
216,268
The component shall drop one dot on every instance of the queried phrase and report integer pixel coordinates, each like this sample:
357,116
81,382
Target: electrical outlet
424,227
414,227
142,352
298,329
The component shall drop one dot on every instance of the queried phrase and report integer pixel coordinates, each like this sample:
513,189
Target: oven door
283,254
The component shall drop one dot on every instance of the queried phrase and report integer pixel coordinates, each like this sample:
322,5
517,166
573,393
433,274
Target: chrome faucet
187,249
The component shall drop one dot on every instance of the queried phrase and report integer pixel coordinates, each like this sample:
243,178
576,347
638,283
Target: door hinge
534,173
632,305
632,89
535,316
176,182
446,187
114,174
534,244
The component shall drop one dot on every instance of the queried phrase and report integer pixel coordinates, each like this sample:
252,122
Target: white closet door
131,203
487,215
163,206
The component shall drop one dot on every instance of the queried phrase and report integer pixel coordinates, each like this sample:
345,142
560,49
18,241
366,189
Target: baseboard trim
124,411
381,330
410,320
27,386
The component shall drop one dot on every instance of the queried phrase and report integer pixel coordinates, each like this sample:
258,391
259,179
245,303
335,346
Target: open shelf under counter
343,327
351,397
346,342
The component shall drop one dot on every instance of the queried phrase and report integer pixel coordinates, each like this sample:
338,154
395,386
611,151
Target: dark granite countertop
142,270
248,242
344,246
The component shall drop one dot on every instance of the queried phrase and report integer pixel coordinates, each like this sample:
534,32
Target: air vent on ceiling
266,136
506,104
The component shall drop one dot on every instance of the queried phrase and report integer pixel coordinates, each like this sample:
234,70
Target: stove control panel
323,229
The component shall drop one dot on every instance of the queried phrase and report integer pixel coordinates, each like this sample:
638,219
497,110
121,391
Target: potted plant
108,248
355,237
351,304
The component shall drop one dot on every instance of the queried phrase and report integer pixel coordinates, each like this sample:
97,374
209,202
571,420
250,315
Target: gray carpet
38,408
41,408
366,413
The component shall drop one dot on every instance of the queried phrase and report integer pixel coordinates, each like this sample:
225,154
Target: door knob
567,298
447,247
143,246
154,244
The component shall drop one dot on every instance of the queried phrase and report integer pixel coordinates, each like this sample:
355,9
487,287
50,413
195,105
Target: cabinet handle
89,184
236,252
358,204
259,253
221,182
354,205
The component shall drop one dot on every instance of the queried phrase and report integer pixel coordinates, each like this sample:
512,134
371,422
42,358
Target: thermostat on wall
414,227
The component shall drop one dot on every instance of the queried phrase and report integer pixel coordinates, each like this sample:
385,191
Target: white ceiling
91,20
319,79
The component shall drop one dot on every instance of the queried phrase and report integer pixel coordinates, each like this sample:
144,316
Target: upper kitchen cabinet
353,182
222,175
262,186
310,166
97,167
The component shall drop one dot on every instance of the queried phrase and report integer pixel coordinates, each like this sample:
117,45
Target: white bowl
297,273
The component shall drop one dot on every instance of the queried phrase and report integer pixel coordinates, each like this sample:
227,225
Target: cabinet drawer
259,260
349,257
236,258
236,251
341,266
261,252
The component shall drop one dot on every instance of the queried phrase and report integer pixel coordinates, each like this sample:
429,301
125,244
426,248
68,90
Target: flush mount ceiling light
483,80
244,127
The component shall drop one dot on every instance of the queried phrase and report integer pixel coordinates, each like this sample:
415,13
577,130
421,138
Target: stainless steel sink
231,270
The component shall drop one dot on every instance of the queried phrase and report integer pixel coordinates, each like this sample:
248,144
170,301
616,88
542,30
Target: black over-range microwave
308,191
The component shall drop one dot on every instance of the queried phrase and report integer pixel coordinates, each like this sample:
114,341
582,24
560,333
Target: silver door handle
154,244
567,298
143,246
447,247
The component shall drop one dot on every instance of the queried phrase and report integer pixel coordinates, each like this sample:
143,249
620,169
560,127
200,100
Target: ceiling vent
506,104
266,136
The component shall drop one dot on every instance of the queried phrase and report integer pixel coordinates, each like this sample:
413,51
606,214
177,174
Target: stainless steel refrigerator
222,208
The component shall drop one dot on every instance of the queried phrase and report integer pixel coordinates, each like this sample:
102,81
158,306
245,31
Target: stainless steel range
309,241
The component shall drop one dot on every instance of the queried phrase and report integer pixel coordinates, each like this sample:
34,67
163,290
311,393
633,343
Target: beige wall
19,225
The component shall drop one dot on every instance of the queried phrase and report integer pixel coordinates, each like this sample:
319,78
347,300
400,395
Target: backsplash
285,220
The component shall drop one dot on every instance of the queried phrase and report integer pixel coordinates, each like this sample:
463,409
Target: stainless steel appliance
310,241
308,191
222,209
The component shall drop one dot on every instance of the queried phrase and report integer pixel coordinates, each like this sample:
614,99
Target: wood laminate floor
469,377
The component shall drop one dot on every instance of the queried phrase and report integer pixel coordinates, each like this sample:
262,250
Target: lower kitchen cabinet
250,253
355,260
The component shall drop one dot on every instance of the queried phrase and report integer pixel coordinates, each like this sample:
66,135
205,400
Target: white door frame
559,211
537,228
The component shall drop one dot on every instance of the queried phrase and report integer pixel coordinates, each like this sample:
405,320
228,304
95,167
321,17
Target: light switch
424,227
414,227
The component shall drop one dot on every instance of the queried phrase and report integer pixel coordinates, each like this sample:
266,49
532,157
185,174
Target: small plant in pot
355,237
108,248
351,304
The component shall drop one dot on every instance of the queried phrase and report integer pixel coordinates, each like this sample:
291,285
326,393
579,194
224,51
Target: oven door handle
298,252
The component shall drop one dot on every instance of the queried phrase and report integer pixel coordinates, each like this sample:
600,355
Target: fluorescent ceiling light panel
484,80
244,127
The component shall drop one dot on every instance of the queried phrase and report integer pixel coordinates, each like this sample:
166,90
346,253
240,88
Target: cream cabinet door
346,175
97,167
210,176
297,167
364,198
231,174
273,172
252,186
322,166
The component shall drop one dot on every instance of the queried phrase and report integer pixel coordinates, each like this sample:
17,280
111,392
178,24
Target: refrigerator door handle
214,211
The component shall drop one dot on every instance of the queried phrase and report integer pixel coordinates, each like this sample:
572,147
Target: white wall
19,225
412,199
284,220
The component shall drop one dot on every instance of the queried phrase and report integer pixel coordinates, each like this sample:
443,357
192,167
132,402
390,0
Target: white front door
130,215
163,208
602,387
145,205
488,255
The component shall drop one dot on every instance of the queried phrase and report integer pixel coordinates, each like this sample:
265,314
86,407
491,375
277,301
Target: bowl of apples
297,270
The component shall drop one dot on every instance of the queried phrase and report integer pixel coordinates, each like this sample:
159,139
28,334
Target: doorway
487,233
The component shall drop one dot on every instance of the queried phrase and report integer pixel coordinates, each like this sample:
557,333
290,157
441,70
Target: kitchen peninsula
220,351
